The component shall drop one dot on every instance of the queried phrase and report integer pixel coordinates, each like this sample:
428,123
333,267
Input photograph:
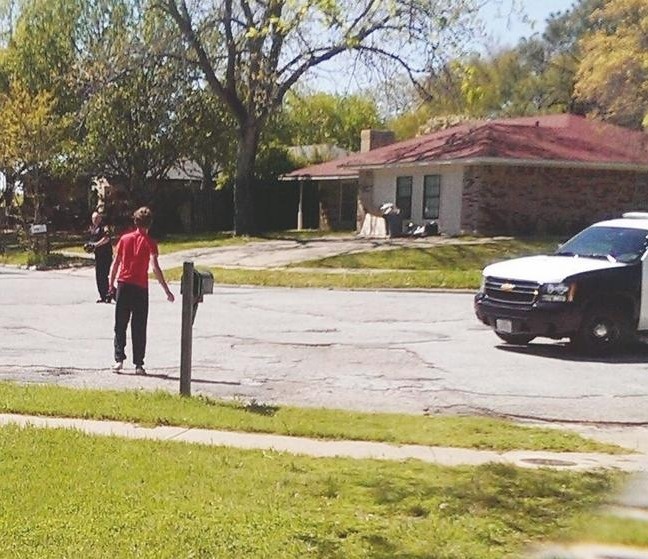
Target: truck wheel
515,339
603,330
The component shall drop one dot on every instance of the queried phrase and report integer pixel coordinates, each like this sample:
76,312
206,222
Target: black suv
593,289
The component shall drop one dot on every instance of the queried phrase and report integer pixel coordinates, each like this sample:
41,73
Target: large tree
34,142
536,76
321,118
613,73
252,52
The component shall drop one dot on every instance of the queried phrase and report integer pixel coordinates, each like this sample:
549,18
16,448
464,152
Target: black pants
132,305
102,269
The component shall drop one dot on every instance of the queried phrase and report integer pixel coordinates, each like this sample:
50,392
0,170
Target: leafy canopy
613,73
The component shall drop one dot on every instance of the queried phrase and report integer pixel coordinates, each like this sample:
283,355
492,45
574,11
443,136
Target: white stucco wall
384,190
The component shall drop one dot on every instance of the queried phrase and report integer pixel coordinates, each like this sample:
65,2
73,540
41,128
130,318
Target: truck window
613,243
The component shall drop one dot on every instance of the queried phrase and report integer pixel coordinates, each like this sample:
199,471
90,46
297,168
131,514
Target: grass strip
65,494
402,279
53,260
163,408
609,530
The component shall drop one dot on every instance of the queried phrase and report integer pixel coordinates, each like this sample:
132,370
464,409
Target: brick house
544,174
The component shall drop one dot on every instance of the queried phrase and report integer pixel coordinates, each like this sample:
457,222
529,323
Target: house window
404,196
431,196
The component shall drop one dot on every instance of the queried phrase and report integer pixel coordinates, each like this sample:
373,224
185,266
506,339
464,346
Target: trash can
393,219
432,228
394,224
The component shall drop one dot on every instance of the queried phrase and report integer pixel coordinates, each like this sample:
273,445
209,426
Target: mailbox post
194,285
39,238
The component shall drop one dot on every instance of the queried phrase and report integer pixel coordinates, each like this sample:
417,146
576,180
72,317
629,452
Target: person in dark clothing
100,243
135,251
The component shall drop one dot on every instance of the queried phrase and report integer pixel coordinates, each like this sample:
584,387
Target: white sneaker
139,370
118,366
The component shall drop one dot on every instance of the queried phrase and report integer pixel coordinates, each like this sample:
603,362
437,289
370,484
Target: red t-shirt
135,250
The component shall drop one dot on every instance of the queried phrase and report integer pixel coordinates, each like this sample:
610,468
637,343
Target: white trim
508,162
319,178
478,161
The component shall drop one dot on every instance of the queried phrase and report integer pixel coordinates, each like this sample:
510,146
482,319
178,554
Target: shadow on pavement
177,378
635,354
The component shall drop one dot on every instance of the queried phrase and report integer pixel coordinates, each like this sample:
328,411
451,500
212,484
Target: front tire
515,339
604,330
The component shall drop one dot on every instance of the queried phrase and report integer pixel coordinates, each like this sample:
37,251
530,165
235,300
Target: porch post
300,216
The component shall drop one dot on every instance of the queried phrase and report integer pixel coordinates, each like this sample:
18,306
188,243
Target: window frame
426,186
405,209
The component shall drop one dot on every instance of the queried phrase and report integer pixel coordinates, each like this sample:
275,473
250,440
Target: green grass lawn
464,257
453,266
175,243
162,408
65,494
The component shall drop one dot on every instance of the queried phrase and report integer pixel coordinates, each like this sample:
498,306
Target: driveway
279,253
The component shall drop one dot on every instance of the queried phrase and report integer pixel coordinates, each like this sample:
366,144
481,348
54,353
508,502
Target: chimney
373,139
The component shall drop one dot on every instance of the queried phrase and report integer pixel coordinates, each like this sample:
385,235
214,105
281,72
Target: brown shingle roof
334,169
552,138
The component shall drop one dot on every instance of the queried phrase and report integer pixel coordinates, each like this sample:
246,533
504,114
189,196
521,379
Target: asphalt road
391,351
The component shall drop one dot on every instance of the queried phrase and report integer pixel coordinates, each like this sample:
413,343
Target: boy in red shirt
130,268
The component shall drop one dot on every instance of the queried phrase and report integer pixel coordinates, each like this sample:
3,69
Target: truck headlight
557,292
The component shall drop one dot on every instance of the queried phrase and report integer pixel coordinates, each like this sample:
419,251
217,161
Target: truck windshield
618,244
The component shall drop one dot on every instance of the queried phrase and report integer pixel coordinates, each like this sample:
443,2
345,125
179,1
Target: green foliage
35,141
207,135
42,51
613,73
133,114
323,118
34,136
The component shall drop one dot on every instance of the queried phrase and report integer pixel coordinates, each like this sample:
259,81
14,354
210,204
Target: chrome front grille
511,292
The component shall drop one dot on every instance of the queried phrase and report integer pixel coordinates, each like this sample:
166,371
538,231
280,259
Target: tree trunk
248,142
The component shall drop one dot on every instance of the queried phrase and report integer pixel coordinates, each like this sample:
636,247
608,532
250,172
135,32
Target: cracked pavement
417,352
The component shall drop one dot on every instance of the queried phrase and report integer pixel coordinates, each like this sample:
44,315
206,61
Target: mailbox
203,284
195,284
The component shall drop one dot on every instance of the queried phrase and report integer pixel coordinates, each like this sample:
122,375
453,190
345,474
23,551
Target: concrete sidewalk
443,456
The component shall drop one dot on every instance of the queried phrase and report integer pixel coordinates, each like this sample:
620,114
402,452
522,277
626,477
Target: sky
504,26
506,31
